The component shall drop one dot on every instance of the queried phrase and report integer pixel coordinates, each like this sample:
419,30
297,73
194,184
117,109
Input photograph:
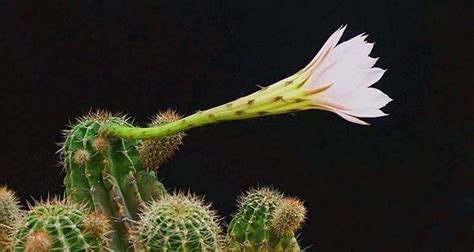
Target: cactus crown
58,225
178,222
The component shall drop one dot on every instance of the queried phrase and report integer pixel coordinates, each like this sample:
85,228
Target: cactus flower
338,79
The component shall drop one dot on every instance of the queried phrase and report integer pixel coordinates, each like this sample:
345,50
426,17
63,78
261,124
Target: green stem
282,97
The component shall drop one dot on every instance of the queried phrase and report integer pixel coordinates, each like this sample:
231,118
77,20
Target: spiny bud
97,224
81,156
99,115
38,241
100,144
156,151
9,214
288,216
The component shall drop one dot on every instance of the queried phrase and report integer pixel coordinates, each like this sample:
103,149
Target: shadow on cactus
114,200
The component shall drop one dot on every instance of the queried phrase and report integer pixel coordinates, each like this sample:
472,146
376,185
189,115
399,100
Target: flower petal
351,118
329,45
365,113
364,99
372,76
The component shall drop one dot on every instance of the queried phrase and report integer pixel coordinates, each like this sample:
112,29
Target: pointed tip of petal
351,119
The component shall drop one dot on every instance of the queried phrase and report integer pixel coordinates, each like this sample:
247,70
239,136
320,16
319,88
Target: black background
403,184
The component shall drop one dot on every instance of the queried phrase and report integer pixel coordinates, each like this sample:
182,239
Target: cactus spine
61,226
265,221
106,174
178,222
9,213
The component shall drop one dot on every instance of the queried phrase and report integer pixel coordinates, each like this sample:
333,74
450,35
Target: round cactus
58,225
156,151
9,213
178,222
265,221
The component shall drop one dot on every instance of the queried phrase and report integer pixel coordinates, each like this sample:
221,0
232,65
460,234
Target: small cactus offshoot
156,151
39,241
178,222
265,221
9,214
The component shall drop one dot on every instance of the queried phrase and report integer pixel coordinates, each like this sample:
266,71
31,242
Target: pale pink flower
338,79
341,77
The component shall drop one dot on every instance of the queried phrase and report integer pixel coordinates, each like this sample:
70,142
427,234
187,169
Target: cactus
58,225
265,221
9,213
106,174
178,222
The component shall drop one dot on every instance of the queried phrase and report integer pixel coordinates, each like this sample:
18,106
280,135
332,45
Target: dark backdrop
403,184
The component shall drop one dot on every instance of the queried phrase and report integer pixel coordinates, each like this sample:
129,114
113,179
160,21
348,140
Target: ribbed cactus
265,221
59,225
9,213
106,174
178,222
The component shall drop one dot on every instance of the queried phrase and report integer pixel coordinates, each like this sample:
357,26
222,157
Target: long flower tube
338,79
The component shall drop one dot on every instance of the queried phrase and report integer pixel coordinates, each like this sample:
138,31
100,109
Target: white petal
367,62
370,113
329,45
366,98
356,45
351,118
344,75
372,76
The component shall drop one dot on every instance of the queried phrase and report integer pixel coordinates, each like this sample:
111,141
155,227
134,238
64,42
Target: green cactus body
59,226
251,228
178,223
105,173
